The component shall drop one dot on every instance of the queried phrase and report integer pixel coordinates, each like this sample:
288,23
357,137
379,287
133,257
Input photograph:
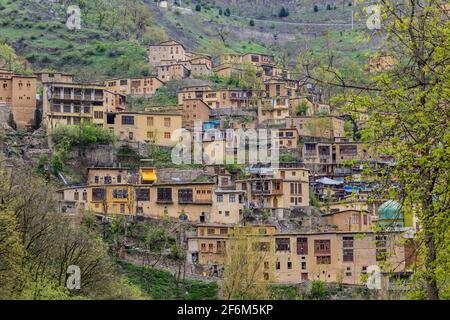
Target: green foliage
301,109
285,292
408,123
38,244
227,12
287,157
162,285
81,137
318,290
198,8
348,128
283,12
252,23
313,200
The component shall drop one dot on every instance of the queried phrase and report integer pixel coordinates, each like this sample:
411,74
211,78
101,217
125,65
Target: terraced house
292,258
145,86
73,103
18,98
124,191
145,127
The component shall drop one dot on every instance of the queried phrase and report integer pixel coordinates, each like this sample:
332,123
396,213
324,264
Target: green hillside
116,33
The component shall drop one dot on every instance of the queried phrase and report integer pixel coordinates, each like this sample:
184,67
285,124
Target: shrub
318,290
252,23
301,108
316,8
227,12
198,8
283,12
82,136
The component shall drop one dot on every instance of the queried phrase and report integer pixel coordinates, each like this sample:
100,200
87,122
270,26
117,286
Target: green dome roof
390,210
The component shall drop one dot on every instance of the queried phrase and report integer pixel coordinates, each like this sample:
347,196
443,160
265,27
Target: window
120,193
266,265
166,135
128,120
322,247
84,196
365,219
283,244
98,114
98,194
122,208
347,255
289,265
107,179
302,246
164,194
227,213
303,265
150,121
76,196
323,260
130,135
143,194
220,198
119,179
150,135
278,265
232,198
185,196
166,122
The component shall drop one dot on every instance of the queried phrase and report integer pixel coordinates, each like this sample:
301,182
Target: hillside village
315,215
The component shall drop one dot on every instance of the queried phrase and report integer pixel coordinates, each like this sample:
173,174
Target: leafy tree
408,116
283,12
37,238
301,109
246,258
81,137
249,78
318,290
12,253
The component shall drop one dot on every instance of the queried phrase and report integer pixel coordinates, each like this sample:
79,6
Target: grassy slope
44,40
162,284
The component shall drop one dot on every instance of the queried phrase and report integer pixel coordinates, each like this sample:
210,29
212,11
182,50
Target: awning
149,176
328,181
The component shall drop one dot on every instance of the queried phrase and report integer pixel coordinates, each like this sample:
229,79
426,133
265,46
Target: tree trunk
432,288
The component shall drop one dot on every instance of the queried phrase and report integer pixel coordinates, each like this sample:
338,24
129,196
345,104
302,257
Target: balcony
164,201
309,154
